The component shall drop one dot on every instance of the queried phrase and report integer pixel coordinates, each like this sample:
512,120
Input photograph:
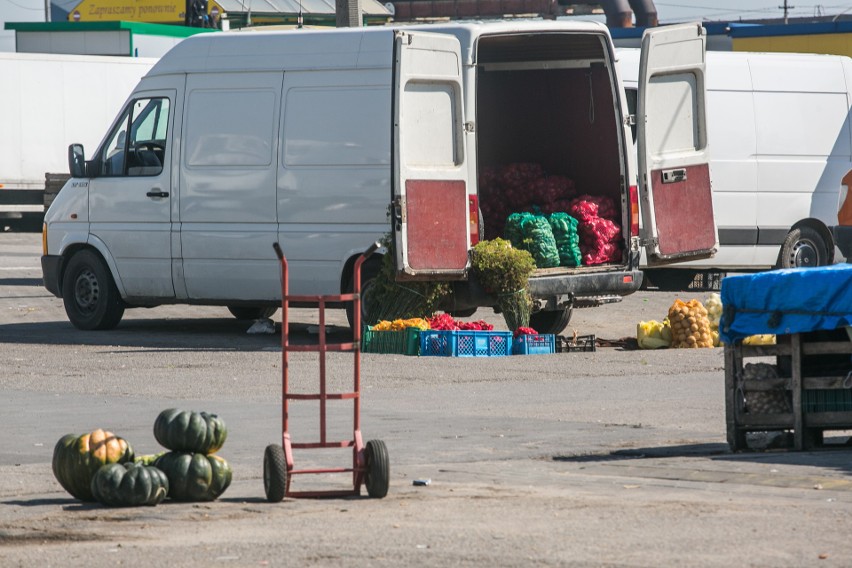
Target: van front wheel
89,293
804,247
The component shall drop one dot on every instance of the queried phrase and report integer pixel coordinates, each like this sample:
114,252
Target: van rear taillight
473,215
634,211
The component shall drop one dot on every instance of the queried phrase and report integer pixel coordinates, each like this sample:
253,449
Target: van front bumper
843,239
51,266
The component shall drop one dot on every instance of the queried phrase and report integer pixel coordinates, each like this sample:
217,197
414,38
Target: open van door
674,173
430,202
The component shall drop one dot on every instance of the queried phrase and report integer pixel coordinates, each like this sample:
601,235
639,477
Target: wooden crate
807,426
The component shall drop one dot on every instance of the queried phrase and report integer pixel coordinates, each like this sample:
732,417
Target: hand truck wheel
274,473
377,475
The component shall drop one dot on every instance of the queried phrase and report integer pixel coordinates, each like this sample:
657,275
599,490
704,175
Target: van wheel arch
808,243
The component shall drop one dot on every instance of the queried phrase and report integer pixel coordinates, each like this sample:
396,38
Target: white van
779,124
235,141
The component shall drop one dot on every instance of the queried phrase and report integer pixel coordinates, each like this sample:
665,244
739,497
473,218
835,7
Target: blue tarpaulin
794,300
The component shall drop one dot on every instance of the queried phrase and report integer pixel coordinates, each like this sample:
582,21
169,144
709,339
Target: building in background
133,39
831,37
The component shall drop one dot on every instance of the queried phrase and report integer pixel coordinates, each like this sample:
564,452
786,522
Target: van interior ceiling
548,100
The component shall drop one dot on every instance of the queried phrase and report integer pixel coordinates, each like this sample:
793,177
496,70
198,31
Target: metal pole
47,10
786,9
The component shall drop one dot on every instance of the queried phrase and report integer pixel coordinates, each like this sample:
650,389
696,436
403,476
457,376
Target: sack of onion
690,325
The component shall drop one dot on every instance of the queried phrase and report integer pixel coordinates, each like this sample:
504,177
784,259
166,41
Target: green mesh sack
540,242
513,232
567,239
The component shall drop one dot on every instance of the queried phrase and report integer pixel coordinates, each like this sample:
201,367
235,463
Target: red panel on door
684,212
436,214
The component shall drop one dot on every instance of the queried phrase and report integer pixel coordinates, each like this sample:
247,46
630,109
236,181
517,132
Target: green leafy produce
504,271
129,485
389,300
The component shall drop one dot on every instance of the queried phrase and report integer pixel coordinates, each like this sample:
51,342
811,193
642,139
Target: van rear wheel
551,322
804,247
89,293
252,312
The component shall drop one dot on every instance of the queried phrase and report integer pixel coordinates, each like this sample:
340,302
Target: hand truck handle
373,248
278,250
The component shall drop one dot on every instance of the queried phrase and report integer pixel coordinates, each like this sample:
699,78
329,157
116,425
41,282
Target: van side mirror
76,161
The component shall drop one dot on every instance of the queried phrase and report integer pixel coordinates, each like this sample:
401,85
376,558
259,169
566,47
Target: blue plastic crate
464,343
539,344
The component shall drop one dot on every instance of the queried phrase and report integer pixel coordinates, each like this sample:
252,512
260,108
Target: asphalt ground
616,457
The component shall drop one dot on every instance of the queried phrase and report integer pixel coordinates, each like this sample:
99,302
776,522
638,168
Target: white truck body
47,102
781,146
235,141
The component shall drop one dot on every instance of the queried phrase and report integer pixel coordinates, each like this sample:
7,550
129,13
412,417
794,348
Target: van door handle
157,194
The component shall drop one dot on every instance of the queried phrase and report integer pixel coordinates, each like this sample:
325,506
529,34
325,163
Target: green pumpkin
76,459
189,431
195,476
129,485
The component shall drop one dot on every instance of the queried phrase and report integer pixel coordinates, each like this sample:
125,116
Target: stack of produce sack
600,233
532,232
518,188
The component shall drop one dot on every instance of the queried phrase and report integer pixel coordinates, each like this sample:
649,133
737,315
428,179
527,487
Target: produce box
575,344
463,343
782,302
540,344
405,342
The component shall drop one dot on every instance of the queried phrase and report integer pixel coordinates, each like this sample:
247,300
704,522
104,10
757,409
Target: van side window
137,144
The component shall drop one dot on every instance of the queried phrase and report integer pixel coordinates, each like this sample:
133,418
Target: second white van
781,145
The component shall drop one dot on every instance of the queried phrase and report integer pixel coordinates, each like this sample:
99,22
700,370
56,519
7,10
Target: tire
377,476
369,271
89,293
252,312
551,322
804,247
274,473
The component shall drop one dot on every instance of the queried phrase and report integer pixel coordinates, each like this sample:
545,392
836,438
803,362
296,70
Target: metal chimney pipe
347,13
618,13
646,13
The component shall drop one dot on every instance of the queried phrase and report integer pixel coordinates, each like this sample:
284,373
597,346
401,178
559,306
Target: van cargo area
548,140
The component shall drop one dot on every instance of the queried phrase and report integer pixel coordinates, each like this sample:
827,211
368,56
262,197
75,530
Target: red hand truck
370,465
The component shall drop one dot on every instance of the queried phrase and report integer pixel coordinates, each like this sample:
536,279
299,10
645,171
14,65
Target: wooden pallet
807,427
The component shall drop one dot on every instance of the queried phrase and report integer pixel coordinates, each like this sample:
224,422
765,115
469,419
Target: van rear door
674,173
430,185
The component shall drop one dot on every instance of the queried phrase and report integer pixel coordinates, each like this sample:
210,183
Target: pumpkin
195,476
76,459
189,431
129,485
